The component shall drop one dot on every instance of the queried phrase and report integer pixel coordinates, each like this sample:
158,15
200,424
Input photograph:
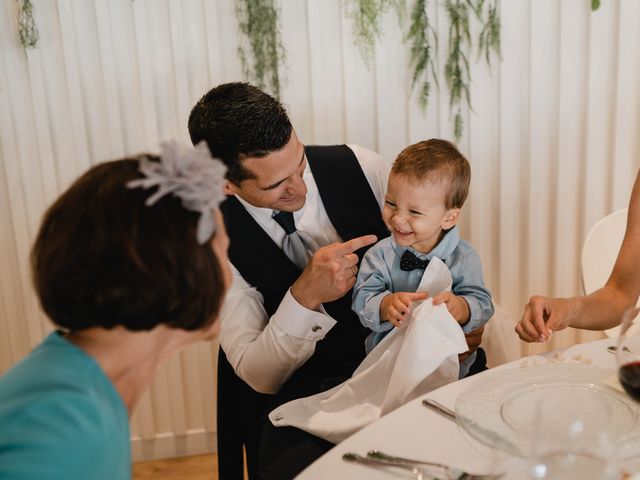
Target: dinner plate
499,408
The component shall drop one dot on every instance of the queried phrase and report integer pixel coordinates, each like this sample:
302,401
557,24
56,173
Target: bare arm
603,308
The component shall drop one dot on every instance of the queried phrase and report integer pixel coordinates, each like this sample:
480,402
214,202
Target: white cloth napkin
406,364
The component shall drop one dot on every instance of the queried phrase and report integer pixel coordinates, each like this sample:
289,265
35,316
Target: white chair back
600,251
499,341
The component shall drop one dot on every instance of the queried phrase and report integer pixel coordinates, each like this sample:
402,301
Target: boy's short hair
102,258
436,160
238,120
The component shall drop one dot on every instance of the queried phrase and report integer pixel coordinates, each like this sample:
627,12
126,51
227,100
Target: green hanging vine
366,15
424,45
27,30
456,69
423,41
489,38
261,50
457,72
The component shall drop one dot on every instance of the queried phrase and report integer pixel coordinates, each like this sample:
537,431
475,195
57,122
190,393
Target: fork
452,473
354,457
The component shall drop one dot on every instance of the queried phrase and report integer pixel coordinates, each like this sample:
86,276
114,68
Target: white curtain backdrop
553,138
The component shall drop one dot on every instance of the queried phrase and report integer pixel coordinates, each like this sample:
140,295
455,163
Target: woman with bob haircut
130,263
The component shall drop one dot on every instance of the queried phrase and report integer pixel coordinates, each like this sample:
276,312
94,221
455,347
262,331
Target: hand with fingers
330,274
457,306
395,307
544,315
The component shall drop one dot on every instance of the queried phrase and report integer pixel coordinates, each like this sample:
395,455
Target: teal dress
62,418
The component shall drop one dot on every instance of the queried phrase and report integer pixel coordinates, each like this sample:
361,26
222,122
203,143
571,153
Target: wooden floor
200,467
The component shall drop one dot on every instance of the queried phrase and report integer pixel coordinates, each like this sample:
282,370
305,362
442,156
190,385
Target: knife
429,402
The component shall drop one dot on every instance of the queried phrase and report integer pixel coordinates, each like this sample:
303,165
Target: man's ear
229,188
450,218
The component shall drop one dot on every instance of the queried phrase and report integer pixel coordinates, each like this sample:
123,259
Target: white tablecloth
416,431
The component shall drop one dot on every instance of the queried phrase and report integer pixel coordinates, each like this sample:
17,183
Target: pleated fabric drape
553,138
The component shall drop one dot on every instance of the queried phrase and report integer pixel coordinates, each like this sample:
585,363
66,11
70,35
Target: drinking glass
572,438
628,354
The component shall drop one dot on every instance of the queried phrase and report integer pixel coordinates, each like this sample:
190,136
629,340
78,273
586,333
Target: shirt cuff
293,319
475,314
372,314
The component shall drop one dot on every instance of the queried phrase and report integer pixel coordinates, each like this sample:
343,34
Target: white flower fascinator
190,174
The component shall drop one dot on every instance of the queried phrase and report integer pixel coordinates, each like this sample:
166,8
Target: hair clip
190,174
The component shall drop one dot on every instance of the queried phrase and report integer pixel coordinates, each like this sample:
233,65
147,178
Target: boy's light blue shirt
62,418
380,275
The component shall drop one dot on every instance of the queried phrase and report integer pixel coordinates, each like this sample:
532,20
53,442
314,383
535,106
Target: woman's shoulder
70,406
57,414
62,433
57,368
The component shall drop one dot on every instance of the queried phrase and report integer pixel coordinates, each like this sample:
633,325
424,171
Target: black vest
353,211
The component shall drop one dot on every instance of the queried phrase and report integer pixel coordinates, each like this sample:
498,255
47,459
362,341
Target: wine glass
571,437
628,354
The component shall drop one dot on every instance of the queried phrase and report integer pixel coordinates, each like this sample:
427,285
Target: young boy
428,184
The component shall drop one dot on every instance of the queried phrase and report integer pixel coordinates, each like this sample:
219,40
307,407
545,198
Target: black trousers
286,451
479,364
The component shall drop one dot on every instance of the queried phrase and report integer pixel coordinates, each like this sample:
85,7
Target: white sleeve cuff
293,319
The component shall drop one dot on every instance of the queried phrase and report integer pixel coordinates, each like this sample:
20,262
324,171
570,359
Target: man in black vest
299,220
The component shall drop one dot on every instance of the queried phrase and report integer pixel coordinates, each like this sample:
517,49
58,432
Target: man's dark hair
102,258
238,120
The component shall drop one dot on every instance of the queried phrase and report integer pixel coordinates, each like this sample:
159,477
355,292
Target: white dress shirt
265,351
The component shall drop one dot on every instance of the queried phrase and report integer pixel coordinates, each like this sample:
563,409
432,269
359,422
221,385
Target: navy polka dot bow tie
409,261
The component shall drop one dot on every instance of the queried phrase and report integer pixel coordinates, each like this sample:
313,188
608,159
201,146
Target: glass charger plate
499,409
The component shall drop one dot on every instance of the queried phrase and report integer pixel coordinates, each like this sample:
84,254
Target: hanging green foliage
366,15
424,46
595,5
456,69
27,30
423,40
261,51
489,38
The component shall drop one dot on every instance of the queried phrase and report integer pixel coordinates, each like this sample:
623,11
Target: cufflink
316,327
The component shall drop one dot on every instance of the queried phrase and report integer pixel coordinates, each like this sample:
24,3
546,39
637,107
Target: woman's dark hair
102,258
238,120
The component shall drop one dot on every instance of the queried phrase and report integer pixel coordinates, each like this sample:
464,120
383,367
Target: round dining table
421,432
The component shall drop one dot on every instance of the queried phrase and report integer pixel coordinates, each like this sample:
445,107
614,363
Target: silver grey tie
298,246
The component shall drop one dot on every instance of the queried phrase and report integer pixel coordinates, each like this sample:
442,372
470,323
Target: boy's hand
457,306
395,306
